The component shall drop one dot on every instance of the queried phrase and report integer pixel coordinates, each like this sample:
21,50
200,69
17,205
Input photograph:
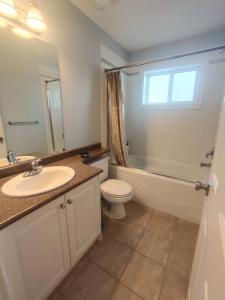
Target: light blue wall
208,40
78,40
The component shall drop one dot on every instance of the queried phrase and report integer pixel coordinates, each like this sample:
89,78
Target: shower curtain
116,117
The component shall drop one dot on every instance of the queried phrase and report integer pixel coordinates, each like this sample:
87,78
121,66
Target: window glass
183,86
158,88
170,87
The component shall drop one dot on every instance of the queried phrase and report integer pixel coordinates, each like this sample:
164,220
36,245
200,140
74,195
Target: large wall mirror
31,122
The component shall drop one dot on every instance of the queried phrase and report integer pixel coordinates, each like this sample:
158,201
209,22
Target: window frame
195,103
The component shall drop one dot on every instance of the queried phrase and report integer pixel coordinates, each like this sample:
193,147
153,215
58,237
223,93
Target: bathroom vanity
44,236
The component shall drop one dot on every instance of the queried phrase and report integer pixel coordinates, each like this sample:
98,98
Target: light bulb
22,33
7,8
35,20
3,23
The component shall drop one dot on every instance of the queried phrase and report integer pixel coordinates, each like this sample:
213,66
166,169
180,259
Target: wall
200,42
78,40
182,135
20,91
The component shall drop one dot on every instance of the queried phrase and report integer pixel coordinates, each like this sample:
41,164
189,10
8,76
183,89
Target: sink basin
49,179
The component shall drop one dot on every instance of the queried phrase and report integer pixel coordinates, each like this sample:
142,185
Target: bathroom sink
49,179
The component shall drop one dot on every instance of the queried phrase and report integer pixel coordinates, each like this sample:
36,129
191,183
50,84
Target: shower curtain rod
165,59
52,80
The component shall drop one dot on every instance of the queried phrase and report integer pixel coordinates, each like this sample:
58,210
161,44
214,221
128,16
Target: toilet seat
116,188
118,200
115,196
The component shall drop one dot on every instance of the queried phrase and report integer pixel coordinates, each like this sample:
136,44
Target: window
170,87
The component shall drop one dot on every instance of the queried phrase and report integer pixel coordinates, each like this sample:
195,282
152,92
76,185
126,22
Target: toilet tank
103,164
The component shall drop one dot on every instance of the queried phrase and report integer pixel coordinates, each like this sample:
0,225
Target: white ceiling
138,24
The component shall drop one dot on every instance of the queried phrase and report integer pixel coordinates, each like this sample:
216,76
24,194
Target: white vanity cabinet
38,251
83,217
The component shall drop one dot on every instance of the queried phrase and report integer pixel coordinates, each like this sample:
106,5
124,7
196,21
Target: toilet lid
116,187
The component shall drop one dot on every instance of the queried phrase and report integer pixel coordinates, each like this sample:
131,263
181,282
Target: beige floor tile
93,249
174,287
56,296
112,256
143,276
162,224
127,234
74,273
180,259
123,293
154,246
93,283
186,233
109,224
136,214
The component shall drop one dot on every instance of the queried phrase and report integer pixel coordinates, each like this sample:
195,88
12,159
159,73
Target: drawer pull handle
63,206
69,201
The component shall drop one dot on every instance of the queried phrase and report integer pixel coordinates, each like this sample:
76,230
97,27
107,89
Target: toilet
114,191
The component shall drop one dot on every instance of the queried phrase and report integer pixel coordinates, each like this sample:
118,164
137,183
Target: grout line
162,283
130,290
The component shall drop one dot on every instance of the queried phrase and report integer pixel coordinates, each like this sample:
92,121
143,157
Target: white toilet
116,192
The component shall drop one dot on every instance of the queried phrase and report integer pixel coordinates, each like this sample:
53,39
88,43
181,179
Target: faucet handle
210,153
11,157
36,162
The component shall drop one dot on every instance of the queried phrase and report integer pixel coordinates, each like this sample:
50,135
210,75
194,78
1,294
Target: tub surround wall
175,134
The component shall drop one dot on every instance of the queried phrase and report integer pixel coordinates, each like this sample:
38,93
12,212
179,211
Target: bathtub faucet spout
207,165
201,186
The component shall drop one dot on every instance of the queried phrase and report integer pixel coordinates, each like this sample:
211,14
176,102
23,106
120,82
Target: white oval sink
49,179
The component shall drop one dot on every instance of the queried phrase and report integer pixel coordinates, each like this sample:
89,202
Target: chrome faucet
11,157
201,186
207,165
35,168
210,153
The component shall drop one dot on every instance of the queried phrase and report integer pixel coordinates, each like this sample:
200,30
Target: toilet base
116,211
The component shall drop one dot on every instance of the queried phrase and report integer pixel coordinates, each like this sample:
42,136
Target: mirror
31,123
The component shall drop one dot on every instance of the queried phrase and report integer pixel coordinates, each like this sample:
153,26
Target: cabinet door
83,217
34,253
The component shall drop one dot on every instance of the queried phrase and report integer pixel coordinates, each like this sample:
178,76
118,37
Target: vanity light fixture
25,24
35,20
22,33
7,9
3,23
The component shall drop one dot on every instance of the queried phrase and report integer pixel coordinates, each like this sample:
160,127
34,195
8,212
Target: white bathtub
173,196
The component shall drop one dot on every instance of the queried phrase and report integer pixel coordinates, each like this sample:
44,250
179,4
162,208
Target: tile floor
148,255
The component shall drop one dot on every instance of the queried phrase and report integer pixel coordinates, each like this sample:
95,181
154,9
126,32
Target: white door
55,114
208,275
34,253
83,217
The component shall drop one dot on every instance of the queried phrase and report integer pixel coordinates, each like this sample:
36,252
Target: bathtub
173,196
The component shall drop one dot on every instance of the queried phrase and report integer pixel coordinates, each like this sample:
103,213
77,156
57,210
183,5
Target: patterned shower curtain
116,117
